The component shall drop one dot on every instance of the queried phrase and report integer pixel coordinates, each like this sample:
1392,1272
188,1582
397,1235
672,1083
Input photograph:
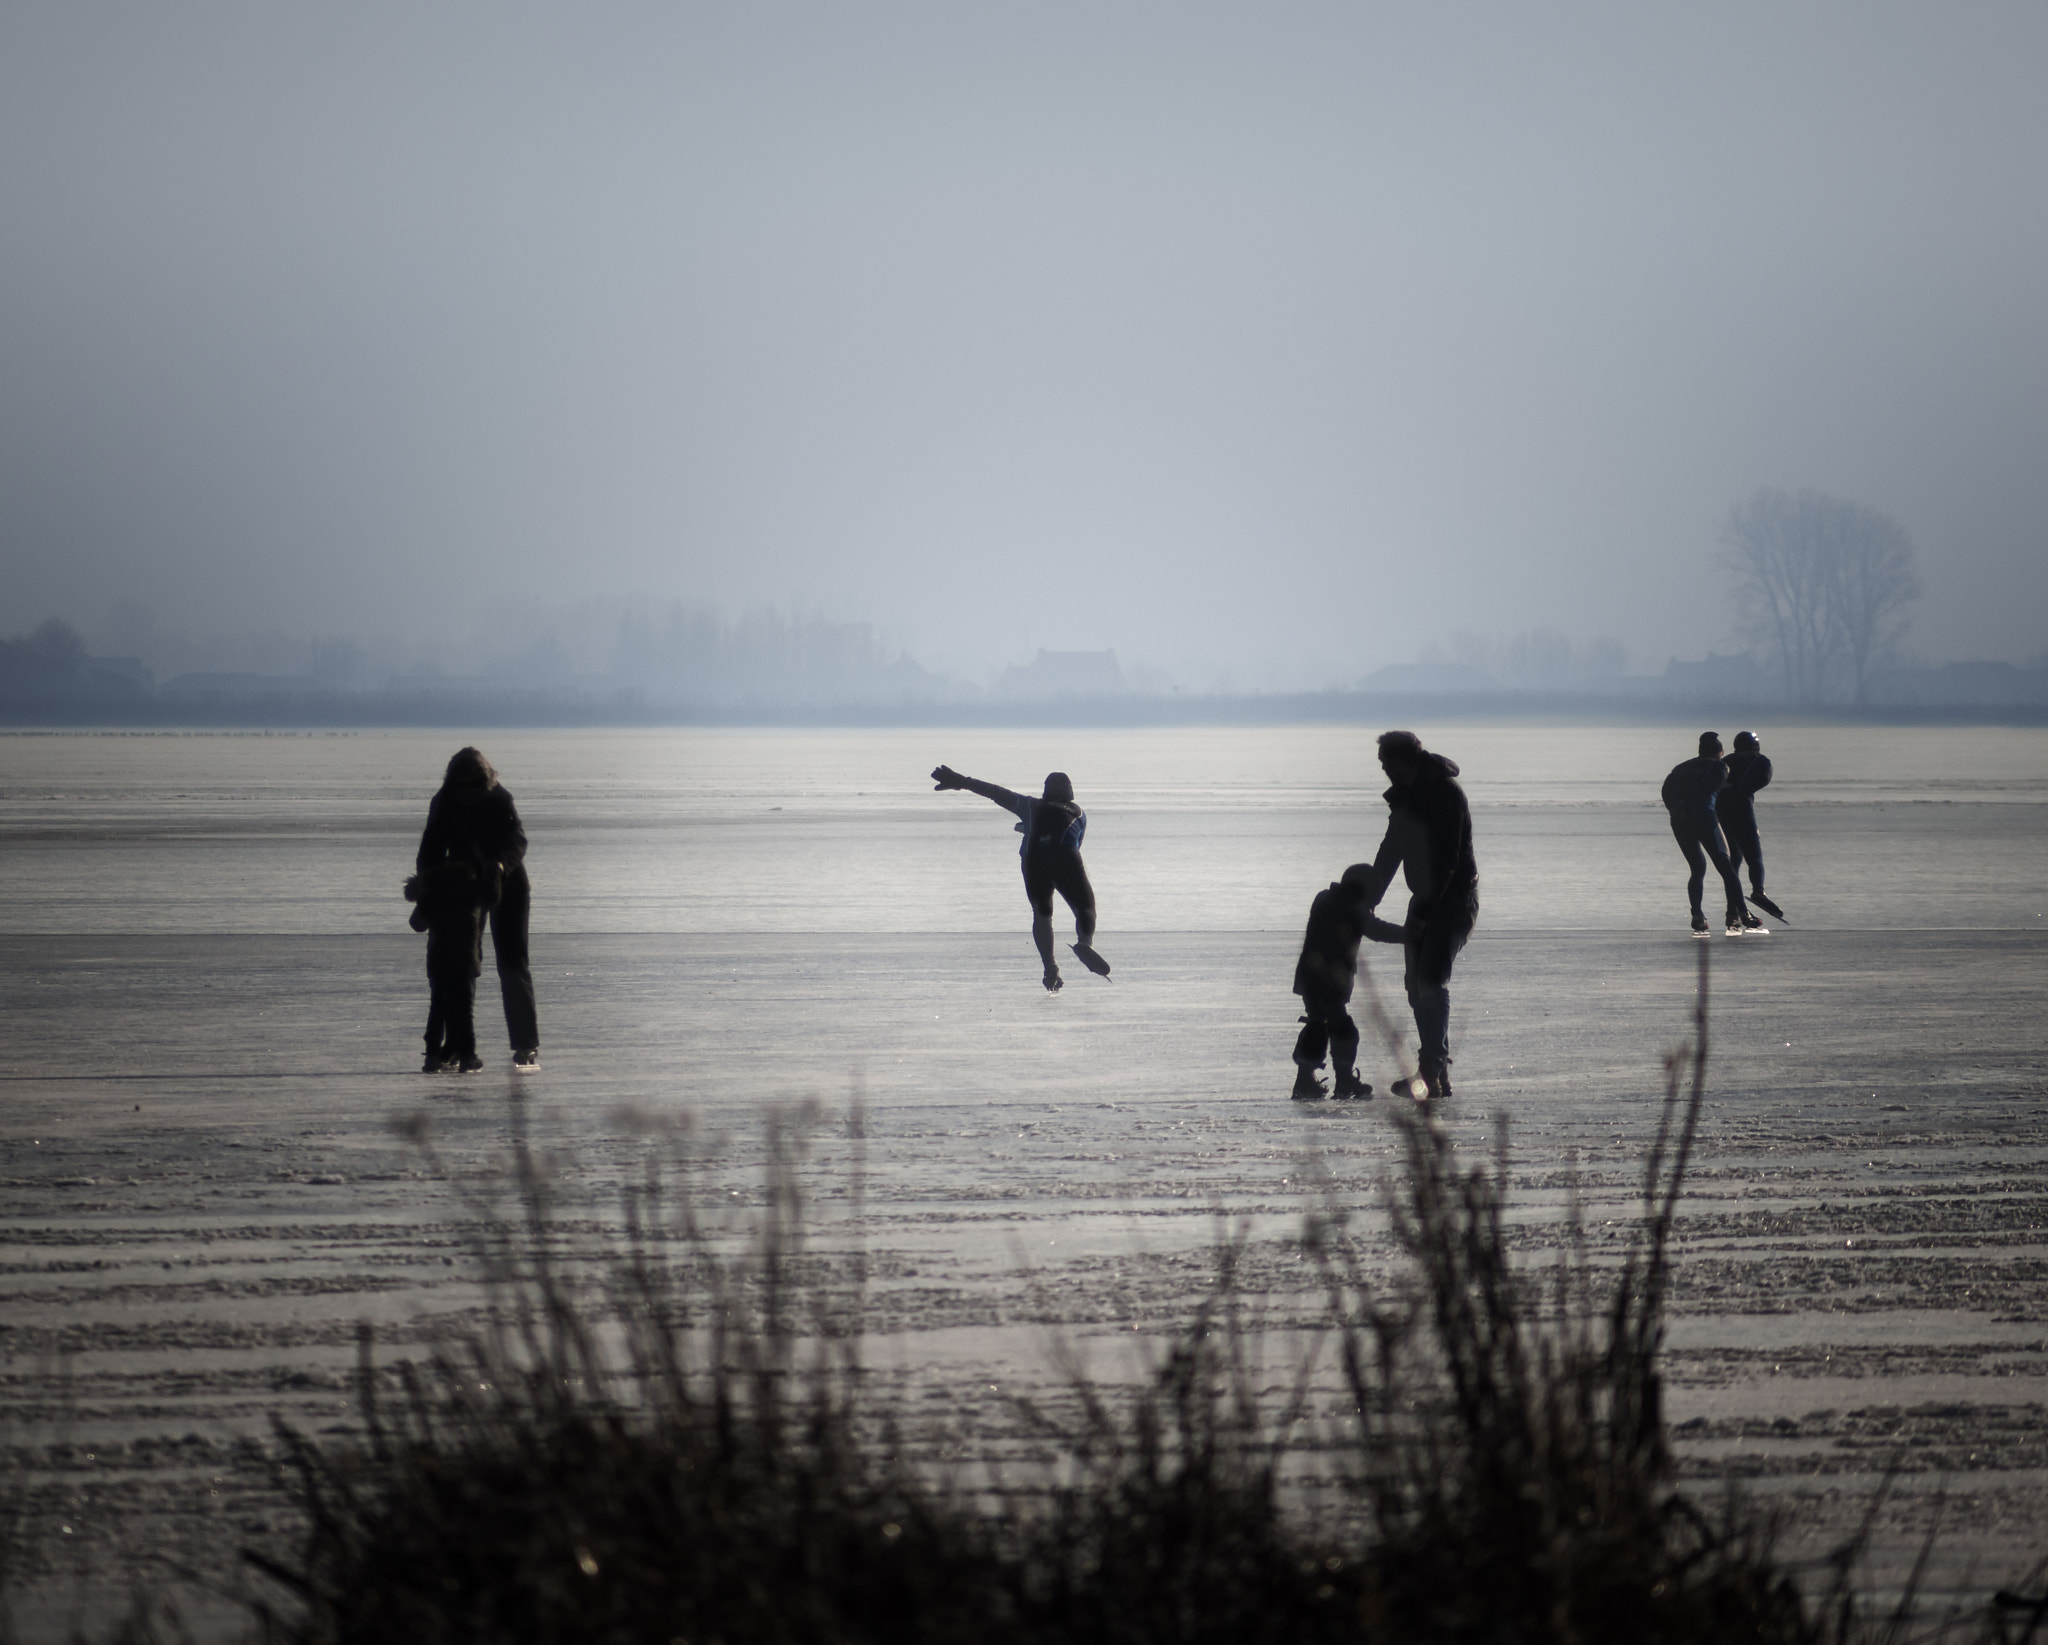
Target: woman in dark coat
473,817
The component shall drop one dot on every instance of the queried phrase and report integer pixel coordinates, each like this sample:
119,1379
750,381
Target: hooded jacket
1691,790
1429,838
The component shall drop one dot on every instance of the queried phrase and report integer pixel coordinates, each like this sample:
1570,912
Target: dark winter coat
1429,838
1748,775
1693,787
465,820
1337,921
449,899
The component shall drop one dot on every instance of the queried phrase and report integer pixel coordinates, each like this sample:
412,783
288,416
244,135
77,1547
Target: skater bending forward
1052,826
1429,838
1690,794
1324,977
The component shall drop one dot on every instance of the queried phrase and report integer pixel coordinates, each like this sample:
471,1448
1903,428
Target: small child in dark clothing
1324,977
449,901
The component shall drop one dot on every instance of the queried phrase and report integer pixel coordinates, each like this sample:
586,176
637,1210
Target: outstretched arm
944,776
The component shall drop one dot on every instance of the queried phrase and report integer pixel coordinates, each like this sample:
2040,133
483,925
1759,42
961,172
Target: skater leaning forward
1429,838
1324,977
1690,794
1052,826
1749,773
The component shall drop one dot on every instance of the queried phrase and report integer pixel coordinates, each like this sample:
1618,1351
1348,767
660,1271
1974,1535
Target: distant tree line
1822,588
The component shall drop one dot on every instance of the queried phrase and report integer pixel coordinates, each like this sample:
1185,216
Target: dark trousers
515,970
451,996
1701,843
1326,1026
1738,823
1427,953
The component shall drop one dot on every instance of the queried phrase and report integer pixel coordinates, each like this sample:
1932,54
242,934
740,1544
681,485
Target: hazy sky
1281,338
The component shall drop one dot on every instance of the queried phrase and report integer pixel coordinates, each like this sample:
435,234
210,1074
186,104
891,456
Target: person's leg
1070,874
515,970
1696,861
1344,1080
1038,885
1309,1046
1731,882
1429,956
1746,849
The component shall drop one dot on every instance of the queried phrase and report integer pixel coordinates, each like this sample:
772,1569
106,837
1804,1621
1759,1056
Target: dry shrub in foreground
681,1450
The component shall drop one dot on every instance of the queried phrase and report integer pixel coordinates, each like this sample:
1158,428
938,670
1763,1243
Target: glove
944,777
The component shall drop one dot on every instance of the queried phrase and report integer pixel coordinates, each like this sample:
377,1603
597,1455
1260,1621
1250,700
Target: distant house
1734,678
1061,674
1429,680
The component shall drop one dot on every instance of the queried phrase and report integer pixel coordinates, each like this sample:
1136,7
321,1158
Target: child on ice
449,901
1324,977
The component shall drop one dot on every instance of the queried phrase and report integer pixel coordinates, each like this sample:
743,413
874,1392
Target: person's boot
1348,1084
1085,952
1436,1076
1699,924
1053,984
1735,925
1307,1088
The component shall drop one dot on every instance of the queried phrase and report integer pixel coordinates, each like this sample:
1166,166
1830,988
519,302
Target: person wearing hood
1052,826
1749,773
473,819
1429,839
1690,794
1324,977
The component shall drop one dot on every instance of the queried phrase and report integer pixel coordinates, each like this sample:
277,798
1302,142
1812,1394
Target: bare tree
1823,584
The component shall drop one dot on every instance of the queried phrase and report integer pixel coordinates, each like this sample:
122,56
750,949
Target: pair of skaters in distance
1428,840
1711,799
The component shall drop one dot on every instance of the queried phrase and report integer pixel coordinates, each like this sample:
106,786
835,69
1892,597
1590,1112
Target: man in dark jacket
1052,826
473,817
1429,838
1749,773
1690,795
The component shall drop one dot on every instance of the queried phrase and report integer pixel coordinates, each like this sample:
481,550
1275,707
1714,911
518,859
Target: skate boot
1754,927
1307,1088
526,1062
1348,1084
434,1064
1053,984
1735,925
1088,957
1699,924
471,1063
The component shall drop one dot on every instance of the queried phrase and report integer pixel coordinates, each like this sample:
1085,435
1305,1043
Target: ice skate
1348,1085
1736,927
526,1062
1088,957
1307,1088
1767,905
471,1064
1053,983
434,1064
1699,924
1754,927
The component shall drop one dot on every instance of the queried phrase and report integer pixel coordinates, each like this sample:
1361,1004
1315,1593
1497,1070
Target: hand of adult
944,777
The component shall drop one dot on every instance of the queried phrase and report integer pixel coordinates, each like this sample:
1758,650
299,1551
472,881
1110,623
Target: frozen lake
213,1008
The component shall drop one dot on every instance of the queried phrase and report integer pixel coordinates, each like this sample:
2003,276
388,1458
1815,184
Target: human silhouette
473,817
1052,826
1429,838
1691,793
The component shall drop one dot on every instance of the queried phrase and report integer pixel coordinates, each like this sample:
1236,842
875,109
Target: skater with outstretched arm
1429,838
1691,793
1749,773
1052,826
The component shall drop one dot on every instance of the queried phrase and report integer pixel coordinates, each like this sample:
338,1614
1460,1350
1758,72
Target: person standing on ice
1691,793
1325,976
1052,826
472,817
1429,838
1749,772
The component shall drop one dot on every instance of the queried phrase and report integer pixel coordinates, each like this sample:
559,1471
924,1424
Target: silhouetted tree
1822,584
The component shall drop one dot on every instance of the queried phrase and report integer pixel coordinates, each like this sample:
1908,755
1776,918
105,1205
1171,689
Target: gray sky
1275,339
